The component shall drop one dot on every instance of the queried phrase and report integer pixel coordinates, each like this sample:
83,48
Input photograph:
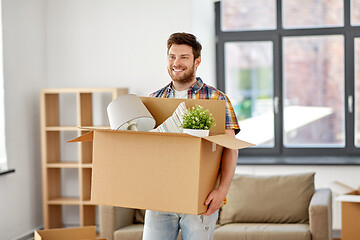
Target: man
184,57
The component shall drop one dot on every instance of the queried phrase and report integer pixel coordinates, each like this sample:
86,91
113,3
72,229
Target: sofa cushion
248,231
268,199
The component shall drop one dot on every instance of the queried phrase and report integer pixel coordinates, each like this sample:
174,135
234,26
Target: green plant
198,118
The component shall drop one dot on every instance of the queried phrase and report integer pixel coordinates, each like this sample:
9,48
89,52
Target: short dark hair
187,39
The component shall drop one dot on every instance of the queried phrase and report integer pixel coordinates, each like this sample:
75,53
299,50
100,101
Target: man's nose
177,61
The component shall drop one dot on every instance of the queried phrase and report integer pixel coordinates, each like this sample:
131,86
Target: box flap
348,198
228,141
87,137
37,236
66,233
90,135
340,188
224,140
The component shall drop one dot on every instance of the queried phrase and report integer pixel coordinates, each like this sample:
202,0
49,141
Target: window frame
276,36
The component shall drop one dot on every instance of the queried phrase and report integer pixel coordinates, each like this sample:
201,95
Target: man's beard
186,78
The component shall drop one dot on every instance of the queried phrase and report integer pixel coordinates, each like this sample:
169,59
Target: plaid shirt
202,91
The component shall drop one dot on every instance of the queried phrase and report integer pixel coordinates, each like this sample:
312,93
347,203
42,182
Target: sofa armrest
320,215
113,218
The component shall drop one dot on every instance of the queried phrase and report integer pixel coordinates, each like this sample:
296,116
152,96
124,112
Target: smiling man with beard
184,57
182,66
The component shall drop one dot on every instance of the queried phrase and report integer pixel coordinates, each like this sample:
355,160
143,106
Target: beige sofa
284,207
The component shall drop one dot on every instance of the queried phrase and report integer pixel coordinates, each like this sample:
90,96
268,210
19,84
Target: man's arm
228,165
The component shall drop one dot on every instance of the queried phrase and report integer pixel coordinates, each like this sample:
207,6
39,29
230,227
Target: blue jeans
165,226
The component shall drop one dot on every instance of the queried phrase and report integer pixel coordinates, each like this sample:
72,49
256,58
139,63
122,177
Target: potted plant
197,121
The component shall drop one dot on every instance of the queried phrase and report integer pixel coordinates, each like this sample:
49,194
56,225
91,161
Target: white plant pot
196,132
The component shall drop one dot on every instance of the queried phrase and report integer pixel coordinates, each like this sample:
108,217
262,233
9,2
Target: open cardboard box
350,210
171,172
82,233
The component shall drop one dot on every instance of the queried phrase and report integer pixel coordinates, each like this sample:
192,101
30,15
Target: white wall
24,74
113,43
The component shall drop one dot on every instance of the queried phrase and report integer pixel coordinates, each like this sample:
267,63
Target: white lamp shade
129,108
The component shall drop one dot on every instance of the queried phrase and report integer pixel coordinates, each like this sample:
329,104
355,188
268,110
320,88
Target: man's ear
197,61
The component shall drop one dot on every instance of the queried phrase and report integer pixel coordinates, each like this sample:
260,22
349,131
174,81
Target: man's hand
214,201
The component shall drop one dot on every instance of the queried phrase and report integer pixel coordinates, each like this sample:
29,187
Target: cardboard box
350,211
82,233
171,172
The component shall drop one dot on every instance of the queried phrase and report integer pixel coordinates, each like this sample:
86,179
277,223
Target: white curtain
3,161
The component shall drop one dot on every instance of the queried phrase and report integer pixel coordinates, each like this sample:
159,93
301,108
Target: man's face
181,64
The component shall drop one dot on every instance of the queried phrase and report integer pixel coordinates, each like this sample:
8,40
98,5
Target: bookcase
67,167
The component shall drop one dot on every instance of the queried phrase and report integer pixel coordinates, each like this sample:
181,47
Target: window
355,12
312,13
291,70
249,85
357,92
249,12
3,162
313,90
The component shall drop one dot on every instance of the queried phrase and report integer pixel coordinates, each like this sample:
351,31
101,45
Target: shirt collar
193,89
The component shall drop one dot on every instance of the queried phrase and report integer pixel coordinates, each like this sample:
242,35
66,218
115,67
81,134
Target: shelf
73,128
61,128
87,202
67,167
64,201
63,165
86,165
70,201
94,127
83,90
